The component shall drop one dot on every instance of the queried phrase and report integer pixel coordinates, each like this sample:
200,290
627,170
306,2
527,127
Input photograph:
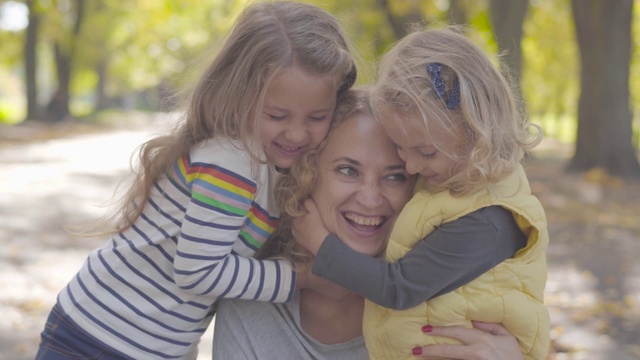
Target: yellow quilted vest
511,293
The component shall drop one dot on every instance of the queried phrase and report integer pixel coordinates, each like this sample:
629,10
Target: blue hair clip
438,85
453,100
437,82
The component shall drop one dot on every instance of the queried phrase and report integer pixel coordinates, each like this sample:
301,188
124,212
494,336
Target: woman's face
362,184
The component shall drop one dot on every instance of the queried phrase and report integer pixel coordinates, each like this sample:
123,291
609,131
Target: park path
66,180
43,186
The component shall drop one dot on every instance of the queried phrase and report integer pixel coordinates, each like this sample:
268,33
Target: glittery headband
438,85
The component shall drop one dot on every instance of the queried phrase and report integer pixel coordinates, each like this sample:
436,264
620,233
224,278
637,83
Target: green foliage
562,128
12,45
12,42
550,77
147,44
11,103
163,44
634,74
139,44
10,112
366,29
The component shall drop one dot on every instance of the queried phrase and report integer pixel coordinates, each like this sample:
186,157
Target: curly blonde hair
266,38
487,121
295,186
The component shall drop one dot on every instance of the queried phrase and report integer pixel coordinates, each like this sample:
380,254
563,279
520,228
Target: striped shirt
149,292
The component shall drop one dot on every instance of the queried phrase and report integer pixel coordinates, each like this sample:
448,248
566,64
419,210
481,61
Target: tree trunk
101,67
102,101
604,139
58,107
457,13
507,17
399,23
30,62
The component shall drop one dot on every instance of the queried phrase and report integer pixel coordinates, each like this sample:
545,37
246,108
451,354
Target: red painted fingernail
427,328
417,351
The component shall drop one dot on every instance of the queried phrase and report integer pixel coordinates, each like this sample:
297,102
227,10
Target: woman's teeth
364,221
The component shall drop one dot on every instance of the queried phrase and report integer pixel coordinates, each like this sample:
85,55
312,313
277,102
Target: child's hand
309,230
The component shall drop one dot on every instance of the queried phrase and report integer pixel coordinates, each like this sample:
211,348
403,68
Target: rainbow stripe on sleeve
224,191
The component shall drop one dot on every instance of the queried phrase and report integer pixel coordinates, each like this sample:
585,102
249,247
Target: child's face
297,113
426,154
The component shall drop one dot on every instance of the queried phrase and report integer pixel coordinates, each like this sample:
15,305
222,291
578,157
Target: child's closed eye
428,154
318,118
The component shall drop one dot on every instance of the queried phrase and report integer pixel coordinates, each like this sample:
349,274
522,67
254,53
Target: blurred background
576,63
79,78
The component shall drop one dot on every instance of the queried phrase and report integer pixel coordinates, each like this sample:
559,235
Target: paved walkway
43,186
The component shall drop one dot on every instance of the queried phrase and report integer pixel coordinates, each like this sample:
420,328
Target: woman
361,185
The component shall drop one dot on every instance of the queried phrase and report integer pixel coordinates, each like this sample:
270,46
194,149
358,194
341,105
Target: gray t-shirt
246,329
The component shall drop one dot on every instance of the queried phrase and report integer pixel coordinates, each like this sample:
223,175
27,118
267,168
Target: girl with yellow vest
471,242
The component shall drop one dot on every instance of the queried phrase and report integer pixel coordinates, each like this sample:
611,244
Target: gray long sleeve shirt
453,255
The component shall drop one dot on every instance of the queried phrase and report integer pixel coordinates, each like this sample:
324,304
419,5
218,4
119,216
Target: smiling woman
360,185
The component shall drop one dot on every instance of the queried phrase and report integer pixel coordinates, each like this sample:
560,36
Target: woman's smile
362,185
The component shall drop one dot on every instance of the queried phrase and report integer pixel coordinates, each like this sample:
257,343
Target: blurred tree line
575,61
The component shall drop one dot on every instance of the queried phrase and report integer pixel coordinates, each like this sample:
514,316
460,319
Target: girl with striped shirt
202,203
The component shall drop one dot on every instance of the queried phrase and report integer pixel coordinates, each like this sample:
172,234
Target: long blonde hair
294,187
266,37
494,133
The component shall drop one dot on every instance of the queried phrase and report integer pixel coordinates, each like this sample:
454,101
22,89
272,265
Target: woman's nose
370,195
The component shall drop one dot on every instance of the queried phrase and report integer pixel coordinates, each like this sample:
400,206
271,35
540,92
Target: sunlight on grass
11,113
562,128
81,107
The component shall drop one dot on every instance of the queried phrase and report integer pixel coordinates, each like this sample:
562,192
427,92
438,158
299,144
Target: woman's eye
400,177
276,117
346,170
